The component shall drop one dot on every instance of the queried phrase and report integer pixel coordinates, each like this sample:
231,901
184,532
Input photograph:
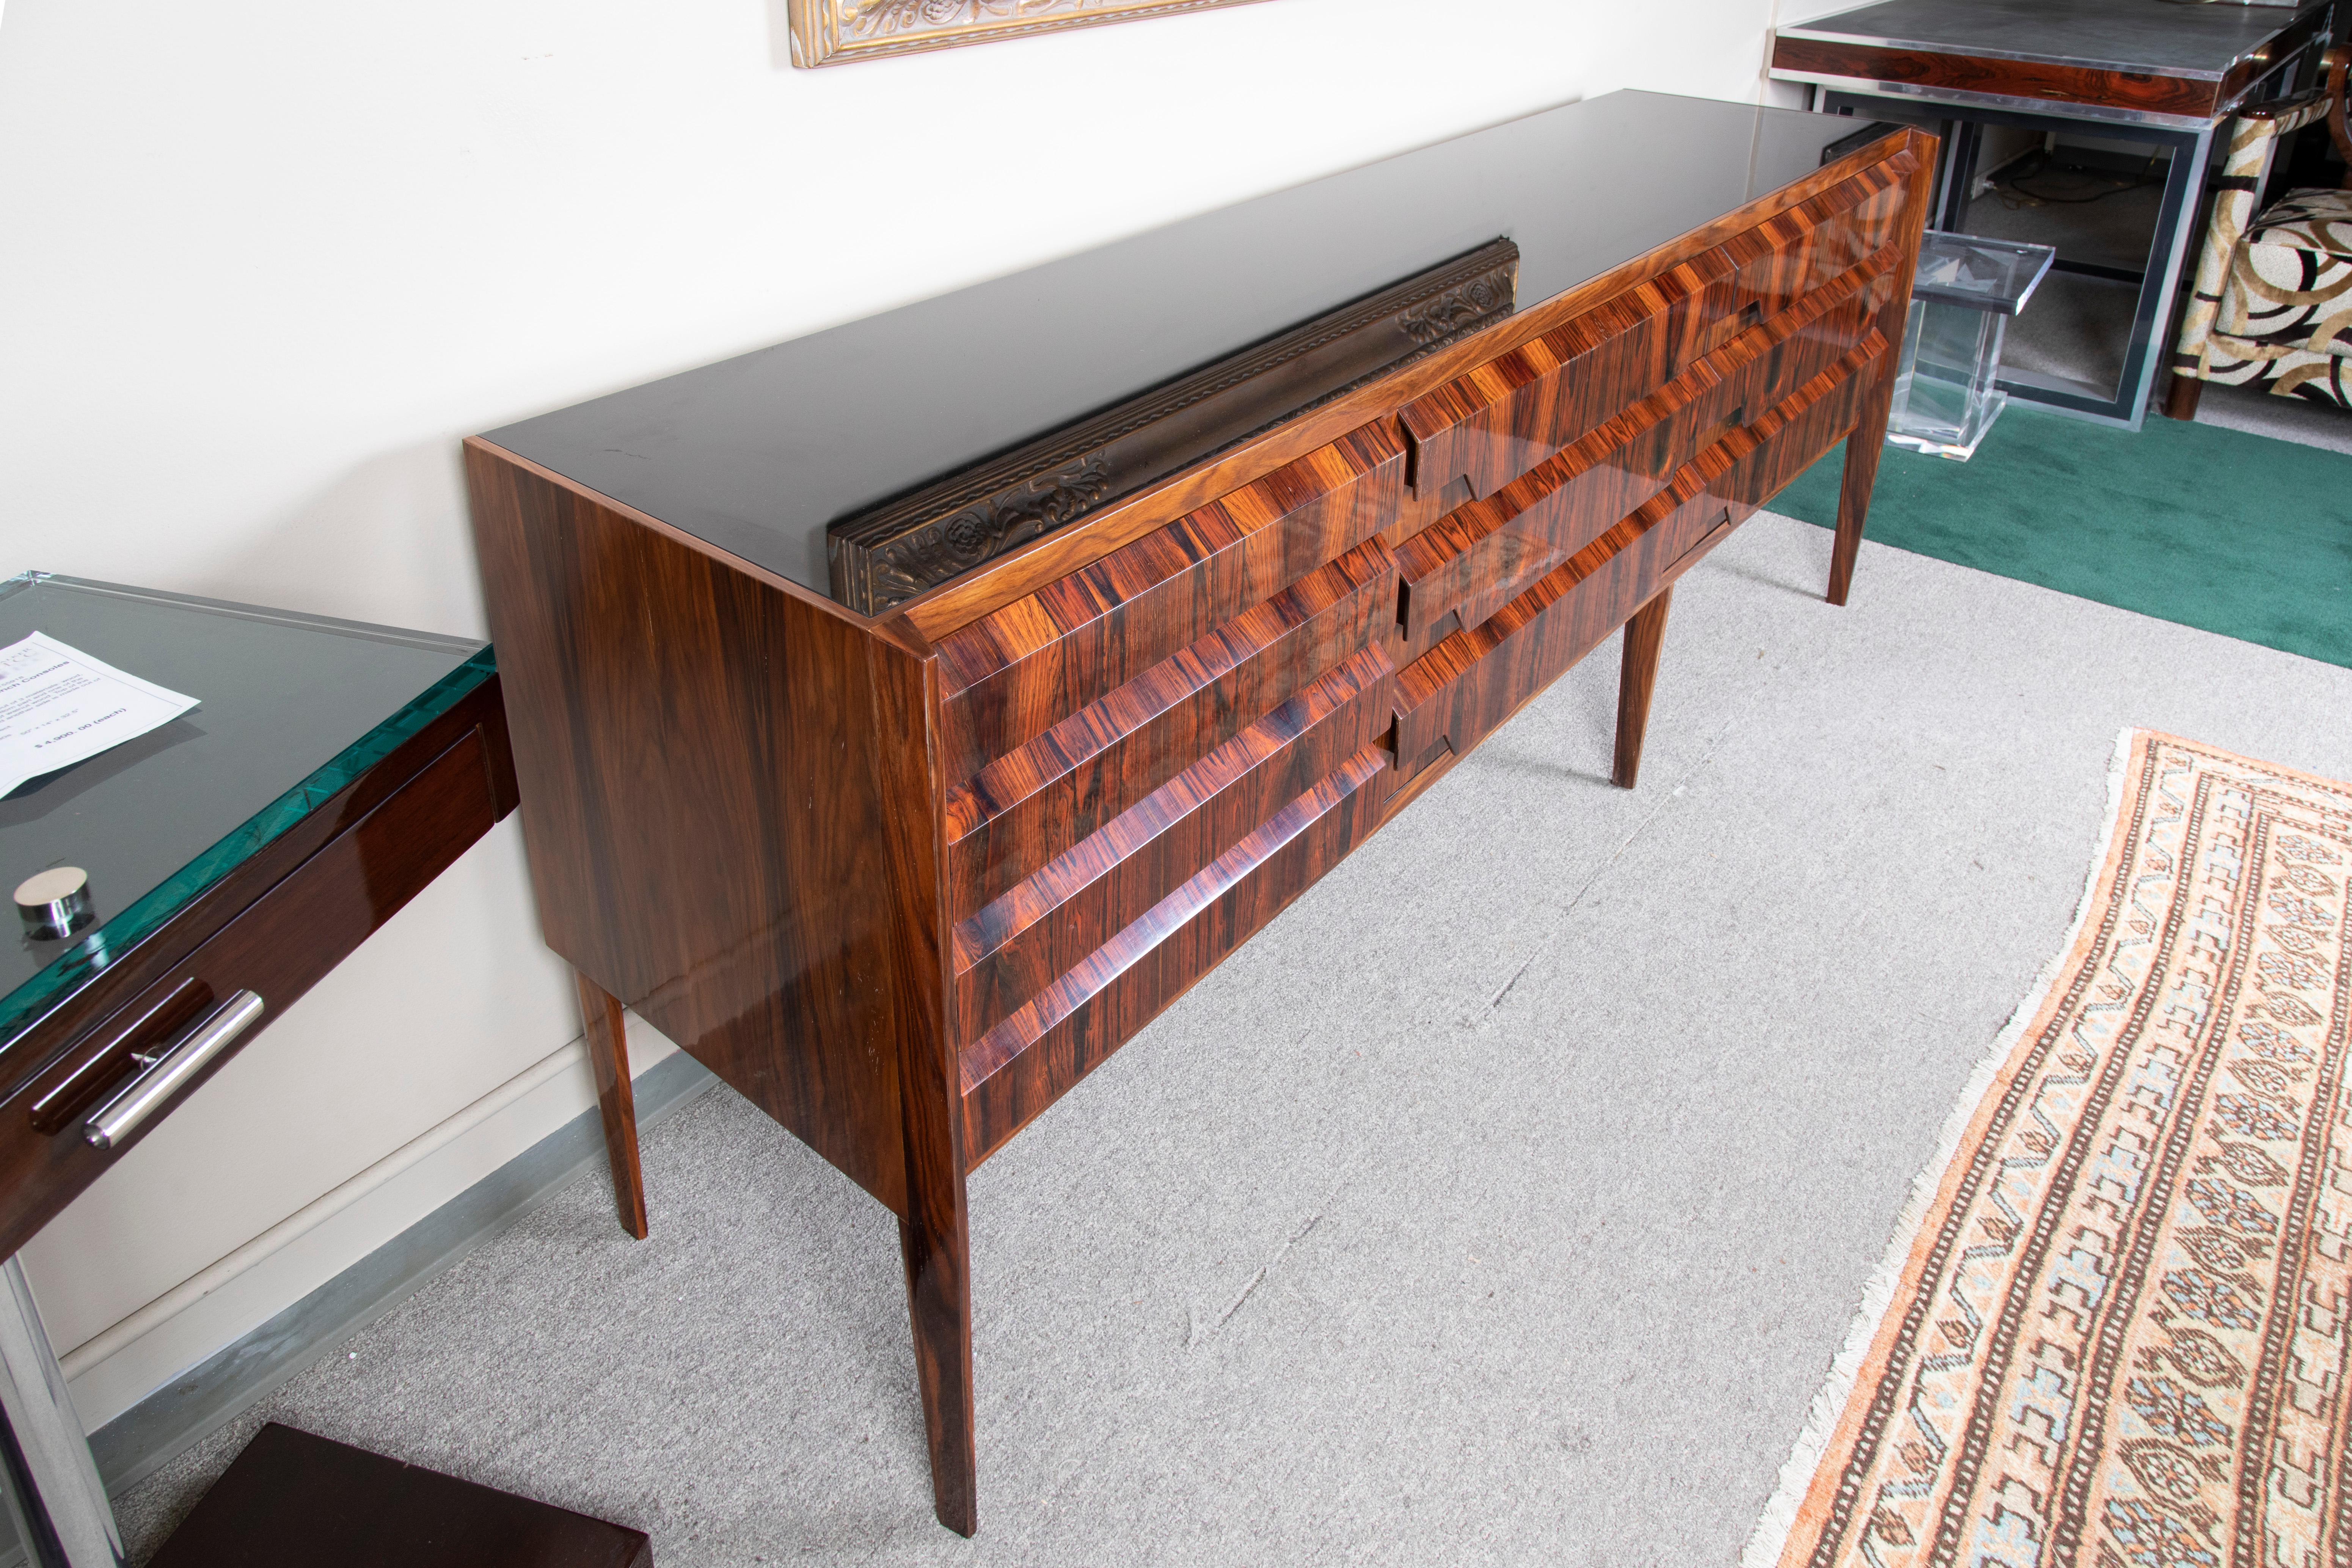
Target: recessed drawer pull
167,1071
1721,527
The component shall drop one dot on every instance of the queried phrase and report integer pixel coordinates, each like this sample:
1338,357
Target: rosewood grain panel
1018,672
1483,430
1017,1069
900,549
943,610
1488,427
1013,950
1027,807
1453,696
1461,571
2158,94
1793,253
718,866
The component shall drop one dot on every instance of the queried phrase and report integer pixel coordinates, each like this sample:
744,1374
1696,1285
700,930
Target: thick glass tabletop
289,710
2201,41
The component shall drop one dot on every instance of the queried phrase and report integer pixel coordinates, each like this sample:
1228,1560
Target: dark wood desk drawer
1467,567
1011,950
1479,432
283,943
1015,673
1054,791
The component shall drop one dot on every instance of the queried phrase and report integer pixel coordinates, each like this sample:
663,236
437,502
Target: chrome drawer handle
120,1117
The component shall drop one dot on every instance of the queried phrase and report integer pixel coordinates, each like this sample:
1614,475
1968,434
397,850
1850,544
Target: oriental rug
2112,1329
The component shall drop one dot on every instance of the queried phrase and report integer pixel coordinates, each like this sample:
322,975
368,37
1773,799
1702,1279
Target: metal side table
2161,76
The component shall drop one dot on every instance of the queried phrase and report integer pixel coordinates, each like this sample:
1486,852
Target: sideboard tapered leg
1862,449
1645,635
608,1055
939,1298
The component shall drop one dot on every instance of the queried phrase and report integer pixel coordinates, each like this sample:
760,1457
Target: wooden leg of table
938,1250
1862,449
608,1054
1646,634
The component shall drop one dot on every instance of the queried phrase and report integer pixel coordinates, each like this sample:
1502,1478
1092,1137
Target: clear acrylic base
1961,445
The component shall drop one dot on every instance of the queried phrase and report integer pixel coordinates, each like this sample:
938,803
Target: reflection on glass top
2186,40
1982,274
290,708
757,453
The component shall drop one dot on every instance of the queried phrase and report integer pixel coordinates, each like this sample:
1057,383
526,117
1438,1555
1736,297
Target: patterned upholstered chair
2273,300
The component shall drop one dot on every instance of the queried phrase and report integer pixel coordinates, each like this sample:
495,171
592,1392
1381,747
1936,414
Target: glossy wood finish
1906,155
2187,96
907,881
2190,95
275,925
726,875
616,1098
1637,682
294,1500
885,557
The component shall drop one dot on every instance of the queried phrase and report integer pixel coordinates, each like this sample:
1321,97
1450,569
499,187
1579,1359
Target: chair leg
2181,403
1645,635
608,1054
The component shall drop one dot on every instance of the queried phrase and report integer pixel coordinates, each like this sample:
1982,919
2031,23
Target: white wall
263,262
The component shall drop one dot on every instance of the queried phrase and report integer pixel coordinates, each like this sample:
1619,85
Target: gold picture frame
835,32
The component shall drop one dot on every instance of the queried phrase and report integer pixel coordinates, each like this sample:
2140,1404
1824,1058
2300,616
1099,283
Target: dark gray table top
2153,36
757,453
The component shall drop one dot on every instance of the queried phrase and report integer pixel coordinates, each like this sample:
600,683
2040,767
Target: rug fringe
1779,1518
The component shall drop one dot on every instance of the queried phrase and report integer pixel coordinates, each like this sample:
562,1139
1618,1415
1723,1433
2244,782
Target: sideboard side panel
707,802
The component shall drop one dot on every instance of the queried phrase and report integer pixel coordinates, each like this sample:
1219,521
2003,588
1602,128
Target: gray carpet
1503,1202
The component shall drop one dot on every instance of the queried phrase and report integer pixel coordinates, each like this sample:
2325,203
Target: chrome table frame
1961,115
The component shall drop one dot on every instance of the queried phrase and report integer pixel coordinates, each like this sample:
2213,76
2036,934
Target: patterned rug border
1823,1418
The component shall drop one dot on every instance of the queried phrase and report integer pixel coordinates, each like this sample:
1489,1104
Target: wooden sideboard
905,881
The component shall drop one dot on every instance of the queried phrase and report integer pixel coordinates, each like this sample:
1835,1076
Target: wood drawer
1014,674
1474,435
1011,950
1453,696
1467,565
1029,1060
1058,789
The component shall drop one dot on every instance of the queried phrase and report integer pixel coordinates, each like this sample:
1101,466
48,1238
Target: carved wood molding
833,32
889,554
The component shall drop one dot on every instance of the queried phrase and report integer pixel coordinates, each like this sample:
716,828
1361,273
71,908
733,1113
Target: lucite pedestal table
233,856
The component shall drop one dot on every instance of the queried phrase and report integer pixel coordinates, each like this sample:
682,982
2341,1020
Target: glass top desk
2162,75
233,856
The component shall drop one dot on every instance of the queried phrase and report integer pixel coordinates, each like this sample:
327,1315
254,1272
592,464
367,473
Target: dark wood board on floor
906,881
295,1501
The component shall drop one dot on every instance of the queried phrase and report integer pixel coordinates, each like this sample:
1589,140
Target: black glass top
2148,36
289,710
757,453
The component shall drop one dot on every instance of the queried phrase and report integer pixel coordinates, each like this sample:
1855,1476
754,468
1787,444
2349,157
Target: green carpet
2233,534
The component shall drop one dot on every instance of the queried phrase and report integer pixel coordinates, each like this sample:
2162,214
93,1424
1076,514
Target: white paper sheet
59,706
